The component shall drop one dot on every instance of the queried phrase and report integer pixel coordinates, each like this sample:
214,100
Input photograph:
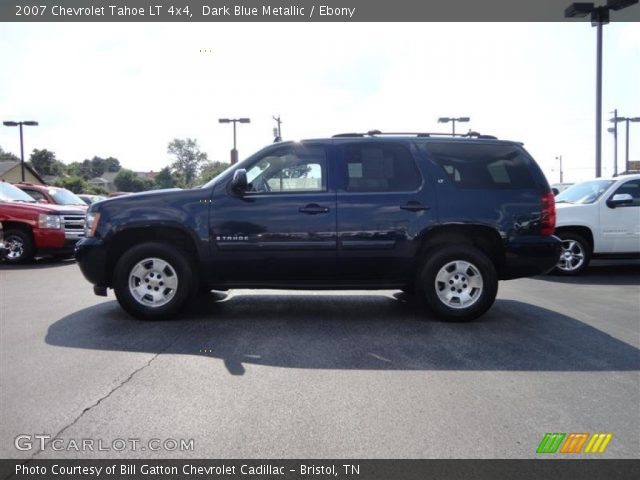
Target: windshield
585,192
9,193
65,197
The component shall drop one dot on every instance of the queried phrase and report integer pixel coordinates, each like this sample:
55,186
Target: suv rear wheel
152,281
459,283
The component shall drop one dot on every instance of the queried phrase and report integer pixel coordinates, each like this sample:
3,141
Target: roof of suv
376,135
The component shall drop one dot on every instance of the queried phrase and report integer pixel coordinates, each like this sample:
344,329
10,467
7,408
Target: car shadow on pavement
600,275
359,331
38,263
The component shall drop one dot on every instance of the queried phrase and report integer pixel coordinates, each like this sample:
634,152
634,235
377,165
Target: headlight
91,223
49,221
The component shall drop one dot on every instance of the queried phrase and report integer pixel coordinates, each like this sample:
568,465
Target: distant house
10,171
105,181
151,175
51,179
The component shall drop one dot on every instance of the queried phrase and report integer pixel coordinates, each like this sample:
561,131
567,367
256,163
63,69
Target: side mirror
620,199
239,183
43,200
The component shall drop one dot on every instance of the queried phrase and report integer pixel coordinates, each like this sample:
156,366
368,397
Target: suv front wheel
459,283
152,281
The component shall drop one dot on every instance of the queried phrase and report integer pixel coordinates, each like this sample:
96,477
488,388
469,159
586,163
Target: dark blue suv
443,218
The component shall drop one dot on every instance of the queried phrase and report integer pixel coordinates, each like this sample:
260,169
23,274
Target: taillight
548,215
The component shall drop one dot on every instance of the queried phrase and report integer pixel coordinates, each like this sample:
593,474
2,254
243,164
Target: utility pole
559,157
278,130
614,130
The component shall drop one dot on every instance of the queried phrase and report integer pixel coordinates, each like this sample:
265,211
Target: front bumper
526,257
91,255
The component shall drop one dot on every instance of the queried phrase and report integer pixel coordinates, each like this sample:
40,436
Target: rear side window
380,167
484,166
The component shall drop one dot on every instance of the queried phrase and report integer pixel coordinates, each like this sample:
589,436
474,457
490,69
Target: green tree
111,164
164,179
80,169
129,181
97,167
211,170
189,159
8,156
45,163
75,184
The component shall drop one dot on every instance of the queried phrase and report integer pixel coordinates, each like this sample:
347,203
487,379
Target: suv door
383,205
283,227
620,226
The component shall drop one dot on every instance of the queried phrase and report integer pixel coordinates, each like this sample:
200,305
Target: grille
73,226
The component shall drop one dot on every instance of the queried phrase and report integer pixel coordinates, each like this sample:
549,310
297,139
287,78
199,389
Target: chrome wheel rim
15,247
153,282
572,256
459,284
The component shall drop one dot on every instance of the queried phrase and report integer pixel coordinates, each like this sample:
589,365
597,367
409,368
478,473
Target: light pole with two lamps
599,17
453,120
29,123
234,152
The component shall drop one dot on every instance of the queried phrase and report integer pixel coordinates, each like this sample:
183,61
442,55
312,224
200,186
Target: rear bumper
529,257
91,255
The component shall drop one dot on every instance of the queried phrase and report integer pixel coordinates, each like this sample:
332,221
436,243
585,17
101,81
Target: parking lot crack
99,401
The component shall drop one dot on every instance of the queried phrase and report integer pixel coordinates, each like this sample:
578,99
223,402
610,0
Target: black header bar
319,469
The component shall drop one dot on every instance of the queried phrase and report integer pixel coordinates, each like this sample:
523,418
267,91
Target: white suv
598,219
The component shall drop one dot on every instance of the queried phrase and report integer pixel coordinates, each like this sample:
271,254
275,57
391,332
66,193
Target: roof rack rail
374,133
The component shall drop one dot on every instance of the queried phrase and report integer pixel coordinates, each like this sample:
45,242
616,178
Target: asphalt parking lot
274,374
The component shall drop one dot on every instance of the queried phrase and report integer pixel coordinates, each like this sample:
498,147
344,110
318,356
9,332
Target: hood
571,206
46,207
132,198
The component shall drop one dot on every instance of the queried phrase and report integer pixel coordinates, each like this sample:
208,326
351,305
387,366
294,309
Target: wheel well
580,230
17,226
125,239
485,239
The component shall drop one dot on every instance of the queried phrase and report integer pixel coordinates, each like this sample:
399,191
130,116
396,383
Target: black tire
575,255
466,275
152,276
20,246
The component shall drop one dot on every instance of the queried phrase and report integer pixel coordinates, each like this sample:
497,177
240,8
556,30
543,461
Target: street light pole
599,22
599,17
29,123
559,157
453,120
234,152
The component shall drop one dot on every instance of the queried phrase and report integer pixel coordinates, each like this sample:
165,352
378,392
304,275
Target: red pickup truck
31,228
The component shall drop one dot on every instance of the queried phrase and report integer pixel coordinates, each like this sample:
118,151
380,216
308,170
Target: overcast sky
127,90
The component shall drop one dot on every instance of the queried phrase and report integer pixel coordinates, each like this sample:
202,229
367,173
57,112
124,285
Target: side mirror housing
620,199
239,183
